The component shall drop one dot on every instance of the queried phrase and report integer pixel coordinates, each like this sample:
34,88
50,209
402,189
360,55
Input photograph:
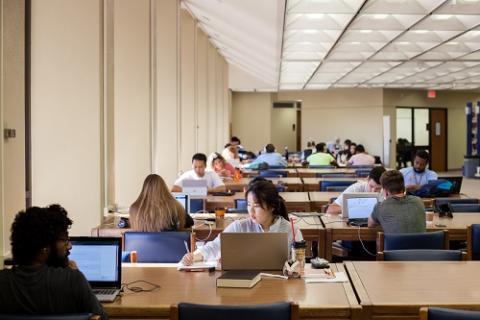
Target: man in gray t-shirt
399,213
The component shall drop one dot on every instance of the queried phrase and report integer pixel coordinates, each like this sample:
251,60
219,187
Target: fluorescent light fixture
403,43
314,15
380,16
442,16
366,31
420,31
452,43
310,31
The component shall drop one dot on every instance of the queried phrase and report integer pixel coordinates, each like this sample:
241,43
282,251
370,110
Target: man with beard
43,280
418,175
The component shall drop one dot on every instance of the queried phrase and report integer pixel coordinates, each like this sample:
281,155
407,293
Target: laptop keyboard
104,291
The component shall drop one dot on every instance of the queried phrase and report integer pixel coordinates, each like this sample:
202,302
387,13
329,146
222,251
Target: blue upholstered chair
336,175
197,205
440,201
437,240
465,207
277,311
421,255
434,313
326,184
167,246
78,316
321,167
473,242
273,174
363,173
241,204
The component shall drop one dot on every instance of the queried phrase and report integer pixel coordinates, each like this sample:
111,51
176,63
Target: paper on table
316,278
197,265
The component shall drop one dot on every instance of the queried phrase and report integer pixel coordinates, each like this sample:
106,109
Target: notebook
253,251
195,187
99,259
358,206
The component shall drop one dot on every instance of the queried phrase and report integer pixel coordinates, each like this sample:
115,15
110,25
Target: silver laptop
358,206
99,259
195,187
254,251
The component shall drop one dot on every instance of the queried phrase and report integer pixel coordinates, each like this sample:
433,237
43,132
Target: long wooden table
397,290
313,184
249,173
318,199
337,228
292,184
315,172
316,301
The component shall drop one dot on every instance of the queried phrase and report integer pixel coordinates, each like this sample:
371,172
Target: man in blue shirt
418,175
270,157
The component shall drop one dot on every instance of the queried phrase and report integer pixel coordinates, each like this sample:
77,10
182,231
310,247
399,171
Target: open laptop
195,187
266,250
358,206
457,183
184,200
99,259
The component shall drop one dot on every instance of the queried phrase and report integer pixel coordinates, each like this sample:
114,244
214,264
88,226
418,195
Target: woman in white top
267,213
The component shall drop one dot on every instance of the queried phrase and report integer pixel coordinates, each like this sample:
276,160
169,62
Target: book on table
239,278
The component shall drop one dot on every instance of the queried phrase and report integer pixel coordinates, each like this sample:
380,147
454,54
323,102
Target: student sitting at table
418,175
218,164
231,155
267,213
156,209
361,158
270,157
43,280
321,157
371,185
199,163
399,213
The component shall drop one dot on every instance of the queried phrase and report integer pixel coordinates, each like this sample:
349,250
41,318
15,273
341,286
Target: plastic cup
298,254
429,216
219,213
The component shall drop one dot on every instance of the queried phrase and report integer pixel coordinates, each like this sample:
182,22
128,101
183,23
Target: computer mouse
319,263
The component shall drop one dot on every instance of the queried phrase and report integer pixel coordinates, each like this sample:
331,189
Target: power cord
137,288
209,231
361,241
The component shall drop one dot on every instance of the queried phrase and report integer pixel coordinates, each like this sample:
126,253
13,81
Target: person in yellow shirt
321,158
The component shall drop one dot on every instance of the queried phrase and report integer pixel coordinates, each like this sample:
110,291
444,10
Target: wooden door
438,139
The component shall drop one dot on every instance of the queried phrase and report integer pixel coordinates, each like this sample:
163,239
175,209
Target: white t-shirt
360,186
213,179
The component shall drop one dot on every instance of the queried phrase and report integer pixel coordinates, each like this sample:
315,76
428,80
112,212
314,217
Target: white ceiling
321,44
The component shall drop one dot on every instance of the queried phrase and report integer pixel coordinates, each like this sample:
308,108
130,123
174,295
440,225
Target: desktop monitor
359,205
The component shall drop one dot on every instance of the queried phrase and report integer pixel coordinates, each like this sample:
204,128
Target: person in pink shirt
361,158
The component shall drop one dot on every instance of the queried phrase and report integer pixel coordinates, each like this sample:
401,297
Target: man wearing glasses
43,281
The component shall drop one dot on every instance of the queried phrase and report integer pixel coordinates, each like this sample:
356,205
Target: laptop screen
99,259
183,199
359,208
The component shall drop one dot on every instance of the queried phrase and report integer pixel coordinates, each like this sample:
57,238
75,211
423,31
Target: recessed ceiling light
380,16
420,31
314,15
442,16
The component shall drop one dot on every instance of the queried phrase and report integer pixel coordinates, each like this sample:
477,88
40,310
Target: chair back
276,167
335,183
464,207
421,255
277,311
439,201
336,175
437,240
434,313
273,174
166,246
362,173
321,166
197,205
76,316
473,242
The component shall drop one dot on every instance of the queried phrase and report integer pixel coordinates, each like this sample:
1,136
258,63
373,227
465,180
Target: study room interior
98,96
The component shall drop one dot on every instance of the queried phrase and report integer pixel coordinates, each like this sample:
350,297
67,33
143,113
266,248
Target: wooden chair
277,311
437,240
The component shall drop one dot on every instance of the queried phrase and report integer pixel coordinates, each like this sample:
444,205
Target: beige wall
454,101
351,113
12,102
66,104
251,119
116,90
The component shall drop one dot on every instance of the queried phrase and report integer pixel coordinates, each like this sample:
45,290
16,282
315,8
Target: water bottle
286,153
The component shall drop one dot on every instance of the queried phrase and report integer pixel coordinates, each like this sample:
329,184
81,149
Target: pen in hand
186,246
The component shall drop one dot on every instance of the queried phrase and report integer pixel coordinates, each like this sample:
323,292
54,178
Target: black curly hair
37,228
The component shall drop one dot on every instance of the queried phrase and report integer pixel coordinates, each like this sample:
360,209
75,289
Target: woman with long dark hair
266,213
